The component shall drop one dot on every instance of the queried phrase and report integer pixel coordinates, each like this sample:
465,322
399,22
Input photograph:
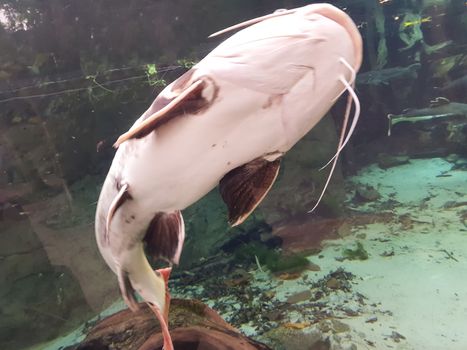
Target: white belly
183,160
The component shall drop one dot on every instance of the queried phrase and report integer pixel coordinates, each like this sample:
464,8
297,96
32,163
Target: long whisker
335,158
355,99
342,142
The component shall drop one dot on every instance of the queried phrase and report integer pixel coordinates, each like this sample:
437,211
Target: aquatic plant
271,258
358,253
153,76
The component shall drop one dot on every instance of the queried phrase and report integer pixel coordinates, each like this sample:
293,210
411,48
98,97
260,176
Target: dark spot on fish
133,217
127,221
228,163
274,99
213,145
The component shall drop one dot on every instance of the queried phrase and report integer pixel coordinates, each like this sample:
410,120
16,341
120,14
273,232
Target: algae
357,253
271,258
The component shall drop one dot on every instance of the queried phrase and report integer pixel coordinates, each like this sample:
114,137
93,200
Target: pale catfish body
227,121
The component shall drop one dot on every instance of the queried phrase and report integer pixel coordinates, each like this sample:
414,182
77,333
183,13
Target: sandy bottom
414,282
423,284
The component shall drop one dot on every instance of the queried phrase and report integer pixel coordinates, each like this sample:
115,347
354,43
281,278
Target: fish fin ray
126,289
244,187
116,203
187,100
165,236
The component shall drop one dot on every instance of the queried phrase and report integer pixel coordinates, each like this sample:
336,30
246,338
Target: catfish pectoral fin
243,188
192,92
122,196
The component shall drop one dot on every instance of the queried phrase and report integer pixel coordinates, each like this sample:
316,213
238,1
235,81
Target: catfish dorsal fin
152,120
250,22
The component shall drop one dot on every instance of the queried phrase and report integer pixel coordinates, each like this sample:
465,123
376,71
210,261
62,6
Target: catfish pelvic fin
190,99
243,188
165,236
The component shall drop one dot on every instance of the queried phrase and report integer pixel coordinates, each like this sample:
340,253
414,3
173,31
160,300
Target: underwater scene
248,174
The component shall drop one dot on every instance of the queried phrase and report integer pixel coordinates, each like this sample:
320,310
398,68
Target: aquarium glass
381,263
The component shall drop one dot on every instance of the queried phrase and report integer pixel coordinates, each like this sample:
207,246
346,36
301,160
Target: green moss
290,263
194,306
358,253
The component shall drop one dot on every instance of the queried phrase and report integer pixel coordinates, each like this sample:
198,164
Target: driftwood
193,325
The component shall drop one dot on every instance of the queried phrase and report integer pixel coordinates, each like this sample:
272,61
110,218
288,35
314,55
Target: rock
307,234
299,297
283,338
313,267
339,327
386,161
334,326
452,158
192,324
344,230
333,283
273,315
366,193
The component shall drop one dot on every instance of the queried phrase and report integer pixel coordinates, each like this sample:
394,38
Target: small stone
387,253
344,230
361,235
16,119
313,267
333,283
339,327
386,161
35,120
396,336
367,193
299,297
371,319
273,315
452,158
